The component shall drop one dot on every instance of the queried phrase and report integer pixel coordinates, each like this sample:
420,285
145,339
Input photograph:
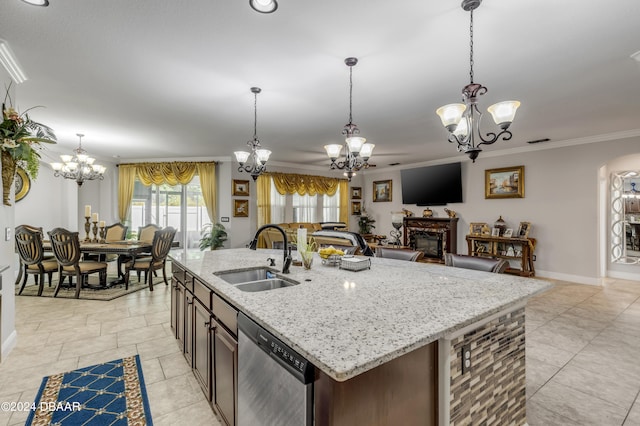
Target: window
304,208
179,206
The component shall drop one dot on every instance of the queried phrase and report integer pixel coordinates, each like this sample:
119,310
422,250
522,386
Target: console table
505,248
433,236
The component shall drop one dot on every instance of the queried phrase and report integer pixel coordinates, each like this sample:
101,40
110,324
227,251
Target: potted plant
365,223
212,236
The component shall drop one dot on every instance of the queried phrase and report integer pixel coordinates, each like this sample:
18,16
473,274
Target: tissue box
355,263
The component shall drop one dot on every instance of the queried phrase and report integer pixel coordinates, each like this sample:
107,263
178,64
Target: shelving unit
520,249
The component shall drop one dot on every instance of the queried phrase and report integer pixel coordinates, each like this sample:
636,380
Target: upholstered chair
66,248
145,235
478,263
398,253
160,247
32,259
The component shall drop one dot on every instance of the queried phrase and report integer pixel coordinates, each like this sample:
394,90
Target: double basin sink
255,279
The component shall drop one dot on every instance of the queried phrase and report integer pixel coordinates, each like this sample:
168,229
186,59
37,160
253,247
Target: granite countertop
346,322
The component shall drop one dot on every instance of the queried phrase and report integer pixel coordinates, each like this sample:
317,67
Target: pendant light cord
471,48
255,116
350,94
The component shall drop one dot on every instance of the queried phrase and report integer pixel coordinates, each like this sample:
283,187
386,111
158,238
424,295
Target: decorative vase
501,225
307,258
8,172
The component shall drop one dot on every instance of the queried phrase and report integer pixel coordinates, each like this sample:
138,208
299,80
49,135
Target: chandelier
259,156
78,167
357,150
463,120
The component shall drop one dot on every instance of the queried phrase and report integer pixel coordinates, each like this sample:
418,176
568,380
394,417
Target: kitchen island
388,343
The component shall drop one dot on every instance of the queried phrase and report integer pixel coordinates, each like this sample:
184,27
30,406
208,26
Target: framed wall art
241,187
506,182
382,190
240,208
356,208
356,193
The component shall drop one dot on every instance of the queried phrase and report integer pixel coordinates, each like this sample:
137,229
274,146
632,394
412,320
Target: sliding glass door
179,206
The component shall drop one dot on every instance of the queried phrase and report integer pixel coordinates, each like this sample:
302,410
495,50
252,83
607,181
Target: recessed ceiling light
43,3
264,6
636,56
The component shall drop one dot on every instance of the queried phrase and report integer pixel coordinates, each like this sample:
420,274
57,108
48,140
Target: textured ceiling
149,78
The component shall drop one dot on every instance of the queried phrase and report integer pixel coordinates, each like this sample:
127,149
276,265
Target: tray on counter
355,263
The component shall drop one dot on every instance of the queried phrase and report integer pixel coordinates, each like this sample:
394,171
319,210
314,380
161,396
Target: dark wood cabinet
518,249
206,327
434,236
225,361
201,344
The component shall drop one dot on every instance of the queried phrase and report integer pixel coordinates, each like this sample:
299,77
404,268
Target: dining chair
478,263
66,248
160,247
32,258
399,253
115,232
145,235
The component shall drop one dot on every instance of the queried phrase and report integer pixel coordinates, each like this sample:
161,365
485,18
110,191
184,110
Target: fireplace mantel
444,229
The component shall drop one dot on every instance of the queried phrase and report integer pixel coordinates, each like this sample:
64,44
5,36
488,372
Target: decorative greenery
21,137
212,236
365,223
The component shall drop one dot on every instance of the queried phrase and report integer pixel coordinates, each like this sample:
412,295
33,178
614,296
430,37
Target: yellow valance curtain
264,199
177,172
288,183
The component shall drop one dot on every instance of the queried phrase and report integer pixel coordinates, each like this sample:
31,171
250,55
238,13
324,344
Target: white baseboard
8,345
631,276
569,277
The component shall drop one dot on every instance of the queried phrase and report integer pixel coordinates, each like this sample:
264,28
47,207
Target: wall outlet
466,358
7,234
224,219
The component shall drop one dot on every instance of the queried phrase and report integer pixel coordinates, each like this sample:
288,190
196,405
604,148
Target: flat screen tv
432,185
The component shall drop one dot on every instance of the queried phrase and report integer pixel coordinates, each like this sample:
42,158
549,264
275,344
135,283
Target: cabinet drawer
225,313
177,272
202,293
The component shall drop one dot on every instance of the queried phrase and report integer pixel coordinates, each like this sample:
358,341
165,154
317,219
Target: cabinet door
174,307
177,311
188,326
225,359
201,344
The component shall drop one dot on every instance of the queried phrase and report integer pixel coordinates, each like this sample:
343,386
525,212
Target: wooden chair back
29,244
161,245
66,246
147,232
116,232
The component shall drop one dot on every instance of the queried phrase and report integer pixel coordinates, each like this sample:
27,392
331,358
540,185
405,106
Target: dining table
125,248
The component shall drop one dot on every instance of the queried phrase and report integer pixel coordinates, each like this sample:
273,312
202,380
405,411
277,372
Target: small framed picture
506,182
495,232
356,192
508,233
241,187
356,208
478,228
523,230
240,208
382,190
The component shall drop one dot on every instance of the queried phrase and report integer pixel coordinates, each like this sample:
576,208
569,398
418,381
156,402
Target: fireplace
431,235
430,243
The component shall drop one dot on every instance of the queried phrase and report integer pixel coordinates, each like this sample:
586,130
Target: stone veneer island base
389,344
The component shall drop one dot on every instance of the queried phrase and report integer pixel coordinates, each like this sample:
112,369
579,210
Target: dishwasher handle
286,357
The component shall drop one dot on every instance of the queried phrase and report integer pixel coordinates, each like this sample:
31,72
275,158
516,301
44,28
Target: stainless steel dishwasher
275,384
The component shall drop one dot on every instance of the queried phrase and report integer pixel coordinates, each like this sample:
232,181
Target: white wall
561,202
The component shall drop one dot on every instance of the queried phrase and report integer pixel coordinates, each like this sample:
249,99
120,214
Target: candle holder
396,233
103,234
95,232
87,228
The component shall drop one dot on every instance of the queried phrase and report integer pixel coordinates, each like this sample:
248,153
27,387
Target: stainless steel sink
264,285
255,274
255,279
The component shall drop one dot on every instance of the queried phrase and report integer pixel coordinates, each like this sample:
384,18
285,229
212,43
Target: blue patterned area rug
112,393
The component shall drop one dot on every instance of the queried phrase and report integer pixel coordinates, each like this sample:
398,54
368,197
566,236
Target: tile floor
582,344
